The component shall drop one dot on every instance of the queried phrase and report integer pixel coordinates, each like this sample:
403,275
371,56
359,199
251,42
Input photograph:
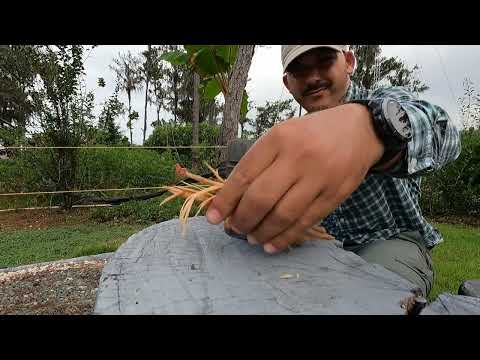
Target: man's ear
285,81
351,62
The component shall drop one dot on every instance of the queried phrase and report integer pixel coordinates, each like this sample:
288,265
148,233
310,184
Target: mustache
315,86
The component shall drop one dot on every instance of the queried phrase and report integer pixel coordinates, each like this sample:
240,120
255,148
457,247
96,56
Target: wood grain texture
208,272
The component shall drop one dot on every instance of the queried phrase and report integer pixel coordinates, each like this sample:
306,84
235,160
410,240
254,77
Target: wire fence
55,207
79,191
111,147
5,195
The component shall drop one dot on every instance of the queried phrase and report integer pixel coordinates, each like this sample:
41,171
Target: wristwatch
391,124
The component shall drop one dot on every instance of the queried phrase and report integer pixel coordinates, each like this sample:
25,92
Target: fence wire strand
79,191
111,147
96,147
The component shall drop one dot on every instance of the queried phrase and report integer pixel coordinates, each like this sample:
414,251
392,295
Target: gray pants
405,255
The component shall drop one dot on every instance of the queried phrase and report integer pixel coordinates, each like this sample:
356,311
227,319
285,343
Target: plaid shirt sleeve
435,139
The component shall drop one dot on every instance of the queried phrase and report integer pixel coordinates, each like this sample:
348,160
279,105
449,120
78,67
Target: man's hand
296,174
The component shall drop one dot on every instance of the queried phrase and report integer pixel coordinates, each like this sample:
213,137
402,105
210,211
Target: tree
195,119
82,111
270,114
244,120
209,111
132,117
101,82
223,69
156,93
108,131
147,70
470,106
185,96
129,79
17,92
158,76
64,114
176,74
209,108
373,70
237,81
172,86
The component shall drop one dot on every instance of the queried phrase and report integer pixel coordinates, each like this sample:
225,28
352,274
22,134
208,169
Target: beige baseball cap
290,52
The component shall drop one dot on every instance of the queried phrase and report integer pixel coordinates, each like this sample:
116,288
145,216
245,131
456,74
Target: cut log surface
157,271
448,304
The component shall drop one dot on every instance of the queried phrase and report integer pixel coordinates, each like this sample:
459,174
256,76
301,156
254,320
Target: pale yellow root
187,206
215,172
203,204
202,179
182,192
171,197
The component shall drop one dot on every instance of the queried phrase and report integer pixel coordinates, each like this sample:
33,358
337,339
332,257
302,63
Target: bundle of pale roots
204,191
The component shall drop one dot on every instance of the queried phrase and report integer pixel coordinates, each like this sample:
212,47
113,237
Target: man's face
318,79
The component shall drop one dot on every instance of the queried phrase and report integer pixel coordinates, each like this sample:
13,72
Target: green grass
21,247
456,259
103,231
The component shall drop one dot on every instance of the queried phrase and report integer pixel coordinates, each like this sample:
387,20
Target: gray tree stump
157,271
448,304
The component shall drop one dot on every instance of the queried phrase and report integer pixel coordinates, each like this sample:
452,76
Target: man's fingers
254,162
319,234
287,211
262,195
313,234
318,210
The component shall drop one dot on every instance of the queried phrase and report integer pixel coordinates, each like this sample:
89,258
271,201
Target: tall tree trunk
195,120
233,99
175,97
212,116
147,81
129,113
68,162
145,115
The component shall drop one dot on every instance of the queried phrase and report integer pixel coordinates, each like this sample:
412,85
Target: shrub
144,212
455,189
97,169
181,135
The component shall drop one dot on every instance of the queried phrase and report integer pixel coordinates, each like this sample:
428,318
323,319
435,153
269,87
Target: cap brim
303,49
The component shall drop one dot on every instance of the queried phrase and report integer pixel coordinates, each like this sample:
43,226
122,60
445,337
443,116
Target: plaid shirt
387,204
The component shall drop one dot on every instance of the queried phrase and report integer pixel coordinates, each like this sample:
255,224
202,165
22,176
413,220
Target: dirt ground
63,289
458,220
53,289
42,219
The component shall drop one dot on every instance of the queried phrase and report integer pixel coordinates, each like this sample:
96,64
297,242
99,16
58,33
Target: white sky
265,76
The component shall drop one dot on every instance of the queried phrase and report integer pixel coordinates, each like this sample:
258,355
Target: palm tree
156,79
195,118
147,71
129,78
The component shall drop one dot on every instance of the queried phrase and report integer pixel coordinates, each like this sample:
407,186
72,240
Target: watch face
398,118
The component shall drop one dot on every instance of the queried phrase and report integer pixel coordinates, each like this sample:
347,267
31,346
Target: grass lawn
21,247
456,259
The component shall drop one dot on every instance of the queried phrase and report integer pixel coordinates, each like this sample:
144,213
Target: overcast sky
443,69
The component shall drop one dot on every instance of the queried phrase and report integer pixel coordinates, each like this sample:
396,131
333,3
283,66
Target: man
354,163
